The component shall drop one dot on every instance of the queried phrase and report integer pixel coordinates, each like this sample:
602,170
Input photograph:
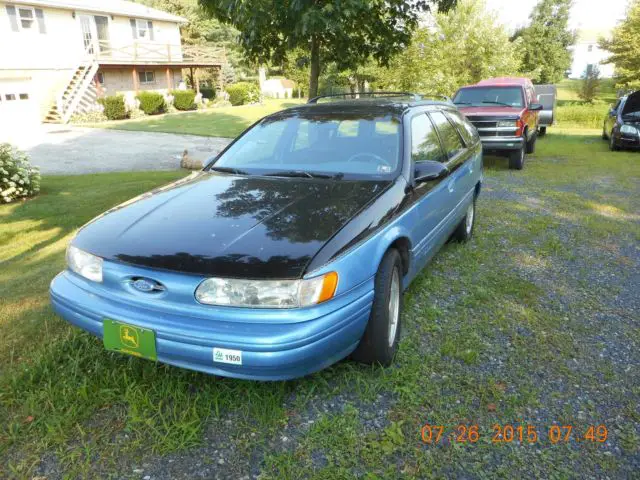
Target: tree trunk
315,67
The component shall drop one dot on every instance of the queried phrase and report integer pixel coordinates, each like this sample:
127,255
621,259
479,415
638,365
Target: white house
58,56
275,87
587,52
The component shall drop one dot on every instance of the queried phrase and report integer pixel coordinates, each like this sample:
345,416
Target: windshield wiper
237,171
302,174
498,103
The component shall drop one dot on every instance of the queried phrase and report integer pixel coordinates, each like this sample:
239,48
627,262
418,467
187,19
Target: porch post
134,74
195,74
169,82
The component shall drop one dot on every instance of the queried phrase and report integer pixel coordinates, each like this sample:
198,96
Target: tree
462,46
347,33
545,41
624,46
590,84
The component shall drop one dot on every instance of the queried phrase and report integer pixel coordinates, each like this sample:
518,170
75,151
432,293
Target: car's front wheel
516,159
380,340
613,146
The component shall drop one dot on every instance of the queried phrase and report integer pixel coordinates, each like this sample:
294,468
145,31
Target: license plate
125,338
224,355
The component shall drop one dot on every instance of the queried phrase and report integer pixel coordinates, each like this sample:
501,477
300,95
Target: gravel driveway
70,150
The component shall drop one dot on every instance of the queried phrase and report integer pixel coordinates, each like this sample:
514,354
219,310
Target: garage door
18,107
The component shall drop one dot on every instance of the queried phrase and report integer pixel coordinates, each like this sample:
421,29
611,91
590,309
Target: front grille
484,124
484,133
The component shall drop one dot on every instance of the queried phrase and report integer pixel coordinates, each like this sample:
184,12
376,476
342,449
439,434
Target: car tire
531,144
464,230
612,144
542,131
379,342
516,159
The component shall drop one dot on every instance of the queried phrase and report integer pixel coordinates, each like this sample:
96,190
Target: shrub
589,115
93,116
18,178
208,92
590,84
184,99
151,103
114,107
242,93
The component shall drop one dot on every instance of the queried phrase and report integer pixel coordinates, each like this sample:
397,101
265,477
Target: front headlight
84,264
267,293
507,123
629,129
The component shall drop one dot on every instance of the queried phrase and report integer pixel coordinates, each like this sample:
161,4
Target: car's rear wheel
516,159
380,340
464,230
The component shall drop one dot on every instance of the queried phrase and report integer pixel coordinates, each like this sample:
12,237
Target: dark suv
622,123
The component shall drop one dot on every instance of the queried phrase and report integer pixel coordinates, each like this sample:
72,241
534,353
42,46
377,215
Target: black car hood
231,226
632,104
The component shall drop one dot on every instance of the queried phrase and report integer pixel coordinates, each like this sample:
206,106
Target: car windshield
317,144
481,96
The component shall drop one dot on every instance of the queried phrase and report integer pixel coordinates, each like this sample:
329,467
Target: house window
26,18
24,96
590,48
99,78
142,29
9,96
147,77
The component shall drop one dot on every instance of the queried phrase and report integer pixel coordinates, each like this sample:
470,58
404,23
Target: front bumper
275,344
501,143
627,141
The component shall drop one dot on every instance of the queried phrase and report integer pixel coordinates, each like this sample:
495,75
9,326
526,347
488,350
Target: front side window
483,96
343,144
425,144
450,138
466,130
146,77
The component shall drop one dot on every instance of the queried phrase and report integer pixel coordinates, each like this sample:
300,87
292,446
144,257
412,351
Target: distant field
572,112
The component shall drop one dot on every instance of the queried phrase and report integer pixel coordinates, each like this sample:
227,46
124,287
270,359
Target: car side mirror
429,170
536,107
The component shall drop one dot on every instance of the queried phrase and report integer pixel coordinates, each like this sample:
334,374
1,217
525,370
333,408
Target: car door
432,197
459,159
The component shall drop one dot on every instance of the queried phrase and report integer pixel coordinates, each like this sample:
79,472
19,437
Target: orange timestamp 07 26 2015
519,433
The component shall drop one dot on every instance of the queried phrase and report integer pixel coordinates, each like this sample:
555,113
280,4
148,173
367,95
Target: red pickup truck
505,113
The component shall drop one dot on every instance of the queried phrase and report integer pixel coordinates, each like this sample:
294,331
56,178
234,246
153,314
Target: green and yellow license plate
125,338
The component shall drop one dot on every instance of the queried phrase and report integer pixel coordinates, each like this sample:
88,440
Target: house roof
113,7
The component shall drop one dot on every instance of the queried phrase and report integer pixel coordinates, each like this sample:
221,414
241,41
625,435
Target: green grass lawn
576,113
520,326
215,122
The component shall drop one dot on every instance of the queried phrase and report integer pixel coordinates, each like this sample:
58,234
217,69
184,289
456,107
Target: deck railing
108,52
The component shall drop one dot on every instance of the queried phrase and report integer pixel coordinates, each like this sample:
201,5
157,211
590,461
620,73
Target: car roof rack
416,97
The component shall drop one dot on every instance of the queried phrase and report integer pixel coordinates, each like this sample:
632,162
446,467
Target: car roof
369,106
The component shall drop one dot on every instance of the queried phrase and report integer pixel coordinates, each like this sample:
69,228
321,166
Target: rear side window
465,129
450,138
425,144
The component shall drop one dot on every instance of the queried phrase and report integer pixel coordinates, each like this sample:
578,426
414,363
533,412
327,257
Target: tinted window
348,143
465,129
450,138
425,144
509,96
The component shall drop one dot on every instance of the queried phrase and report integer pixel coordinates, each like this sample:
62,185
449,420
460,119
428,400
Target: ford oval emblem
146,285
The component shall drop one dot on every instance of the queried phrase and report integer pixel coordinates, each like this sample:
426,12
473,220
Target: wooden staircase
76,95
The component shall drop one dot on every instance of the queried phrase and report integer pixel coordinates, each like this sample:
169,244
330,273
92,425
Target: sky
585,14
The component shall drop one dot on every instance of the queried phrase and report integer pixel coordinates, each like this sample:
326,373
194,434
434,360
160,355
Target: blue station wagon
290,250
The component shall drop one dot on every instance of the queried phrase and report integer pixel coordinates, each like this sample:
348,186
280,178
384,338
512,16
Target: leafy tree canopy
347,33
545,41
624,46
463,46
